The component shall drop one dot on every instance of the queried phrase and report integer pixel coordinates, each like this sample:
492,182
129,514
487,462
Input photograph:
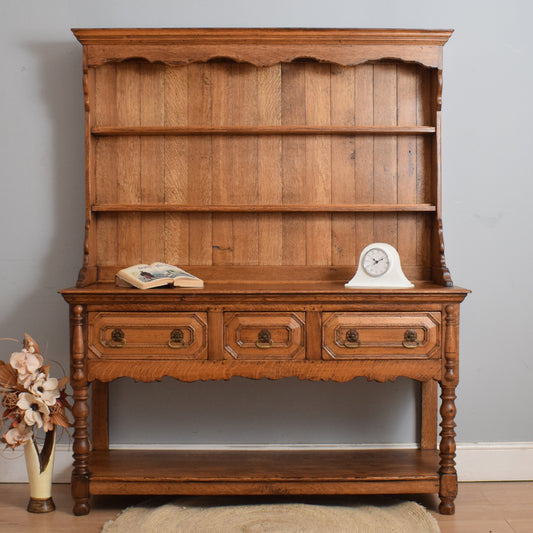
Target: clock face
376,262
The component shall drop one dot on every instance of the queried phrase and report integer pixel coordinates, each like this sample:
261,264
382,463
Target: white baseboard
485,461
495,461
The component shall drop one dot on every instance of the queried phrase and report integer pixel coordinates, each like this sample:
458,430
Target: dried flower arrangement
31,399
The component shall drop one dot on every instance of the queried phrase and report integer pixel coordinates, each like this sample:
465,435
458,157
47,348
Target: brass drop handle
264,339
117,339
352,339
176,339
410,339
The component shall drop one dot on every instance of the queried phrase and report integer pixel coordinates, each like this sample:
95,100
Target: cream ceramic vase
40,467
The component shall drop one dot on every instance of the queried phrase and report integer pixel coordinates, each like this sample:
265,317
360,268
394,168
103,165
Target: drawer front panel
363,335
144,335
267,336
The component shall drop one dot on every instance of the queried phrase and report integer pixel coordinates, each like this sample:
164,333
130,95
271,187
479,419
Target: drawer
360,335
272,336
146,335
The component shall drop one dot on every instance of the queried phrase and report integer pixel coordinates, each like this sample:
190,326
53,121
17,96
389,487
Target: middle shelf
271,208
260,130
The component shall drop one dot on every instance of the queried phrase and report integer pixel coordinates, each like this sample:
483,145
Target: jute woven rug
208,515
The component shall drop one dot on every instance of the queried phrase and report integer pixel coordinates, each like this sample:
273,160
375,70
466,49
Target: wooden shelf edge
262,130
227,470
145,370
437,37
264,488
285,208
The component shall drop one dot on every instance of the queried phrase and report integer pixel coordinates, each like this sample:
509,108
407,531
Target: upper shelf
280,208
261,130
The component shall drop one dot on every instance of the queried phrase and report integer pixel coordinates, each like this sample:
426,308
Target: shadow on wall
239,411
248,412
41,310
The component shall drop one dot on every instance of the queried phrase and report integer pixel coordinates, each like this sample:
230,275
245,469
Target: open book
157,275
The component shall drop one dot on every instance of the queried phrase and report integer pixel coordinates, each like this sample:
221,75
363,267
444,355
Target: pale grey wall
487,119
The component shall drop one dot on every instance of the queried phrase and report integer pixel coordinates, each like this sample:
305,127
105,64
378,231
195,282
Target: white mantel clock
379,266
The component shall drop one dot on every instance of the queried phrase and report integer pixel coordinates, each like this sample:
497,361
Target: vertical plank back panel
343,165
262,169
128,163
424,116
269,169
364,155
424,167
200,163
244,187
221,95
105,113
318,162
293,112
407,114
176,167
152,113
385,151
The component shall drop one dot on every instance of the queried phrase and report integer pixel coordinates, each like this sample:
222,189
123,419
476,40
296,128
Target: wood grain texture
385,152
450,379
223,236
424,175
128,164
318,162
364,155
343,165
320,279
200,163
176,167
293,160
257,128
264,336
80,412
407,154
262,36
224,130
152,166
264,466
88,271
429,412
147,336
268,208
244,186
269,166
183,46
100,415
263,161
381,370
106,165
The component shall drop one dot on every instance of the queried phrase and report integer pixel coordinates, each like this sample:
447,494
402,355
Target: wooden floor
481,508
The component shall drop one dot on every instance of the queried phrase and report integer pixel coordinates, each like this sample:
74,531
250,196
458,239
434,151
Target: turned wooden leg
448,474
80,411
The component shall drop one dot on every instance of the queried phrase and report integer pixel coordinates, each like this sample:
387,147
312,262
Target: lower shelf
264,472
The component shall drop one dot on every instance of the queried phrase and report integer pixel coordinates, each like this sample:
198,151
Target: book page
170,271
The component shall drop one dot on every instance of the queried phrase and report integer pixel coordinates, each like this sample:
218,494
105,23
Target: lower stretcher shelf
264,472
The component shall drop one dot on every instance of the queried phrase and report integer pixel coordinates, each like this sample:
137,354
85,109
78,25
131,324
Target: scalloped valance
262,47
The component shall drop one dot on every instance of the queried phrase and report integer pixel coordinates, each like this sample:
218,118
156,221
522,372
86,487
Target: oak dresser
263,161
